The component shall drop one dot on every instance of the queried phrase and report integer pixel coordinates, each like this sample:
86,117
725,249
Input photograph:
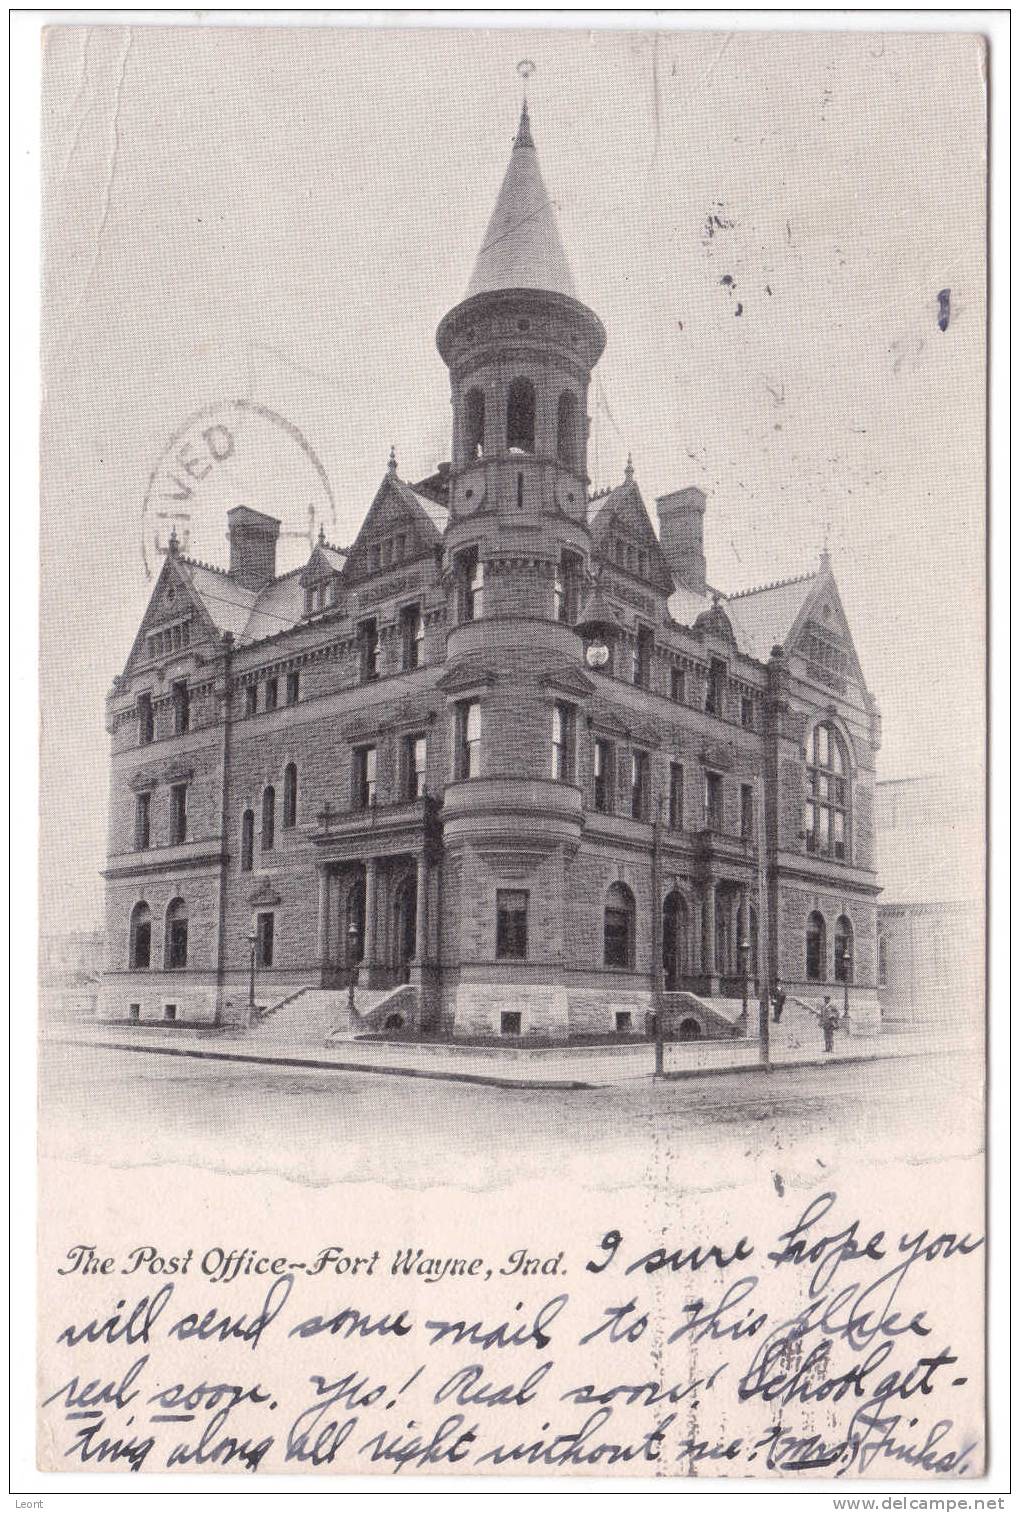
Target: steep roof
625,505
763,617
522,248
279,606
227,602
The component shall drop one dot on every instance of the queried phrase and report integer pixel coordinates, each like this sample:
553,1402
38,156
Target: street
137,1110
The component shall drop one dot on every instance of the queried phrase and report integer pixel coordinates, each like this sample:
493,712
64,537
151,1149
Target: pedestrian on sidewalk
830,1018
778,1005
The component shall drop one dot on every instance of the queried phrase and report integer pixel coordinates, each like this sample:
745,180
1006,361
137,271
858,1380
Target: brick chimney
681,533
253,539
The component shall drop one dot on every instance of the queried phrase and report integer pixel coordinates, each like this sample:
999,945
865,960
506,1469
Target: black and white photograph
513,753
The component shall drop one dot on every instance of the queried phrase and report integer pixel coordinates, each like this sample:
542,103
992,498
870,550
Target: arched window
827,808
474,424
843,942
268,818
175,951
566,428
140,937
618,926
815,948
247,840
289,796
520,416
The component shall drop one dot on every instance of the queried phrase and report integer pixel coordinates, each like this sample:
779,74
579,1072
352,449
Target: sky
282,216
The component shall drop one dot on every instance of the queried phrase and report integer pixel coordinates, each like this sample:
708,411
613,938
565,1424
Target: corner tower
520,348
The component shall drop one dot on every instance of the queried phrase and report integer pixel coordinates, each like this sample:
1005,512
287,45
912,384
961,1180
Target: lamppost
745,952
846,986
253,940
352,945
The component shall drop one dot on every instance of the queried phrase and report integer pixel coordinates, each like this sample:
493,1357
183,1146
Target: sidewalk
564,1069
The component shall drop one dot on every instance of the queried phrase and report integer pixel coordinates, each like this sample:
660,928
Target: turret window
566,429
563,743
470,585
468,735
566,588
474,424
520,416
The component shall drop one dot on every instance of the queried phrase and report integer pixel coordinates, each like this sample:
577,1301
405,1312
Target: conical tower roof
522,247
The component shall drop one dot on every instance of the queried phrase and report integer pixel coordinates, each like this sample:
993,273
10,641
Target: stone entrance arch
675,941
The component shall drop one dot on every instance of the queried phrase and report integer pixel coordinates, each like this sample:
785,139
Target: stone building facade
509,747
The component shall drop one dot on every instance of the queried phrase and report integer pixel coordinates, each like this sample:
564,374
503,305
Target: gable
821,634
396,530
625,538
175,620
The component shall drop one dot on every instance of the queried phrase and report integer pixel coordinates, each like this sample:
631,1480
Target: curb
481,1079
787,1066
313,1064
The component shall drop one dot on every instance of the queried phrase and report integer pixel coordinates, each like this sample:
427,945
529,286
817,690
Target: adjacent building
509,747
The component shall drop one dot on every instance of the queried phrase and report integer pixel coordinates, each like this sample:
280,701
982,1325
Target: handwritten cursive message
814,1350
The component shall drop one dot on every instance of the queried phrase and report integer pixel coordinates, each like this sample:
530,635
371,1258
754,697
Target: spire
522,248
172,543
628,472
391,466
524,137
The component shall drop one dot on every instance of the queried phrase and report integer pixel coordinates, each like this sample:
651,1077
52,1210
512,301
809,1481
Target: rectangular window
415,759
638,784
676,685
624,1022
676,796
143,821
809,827
272,694
563,743
603,763
134,1012
146,722
839,835
511,924
264,926
412,635
251,699
368,642
170,1012
364,776
713,801
746,812
714,696
471,585
178,814
747,712
468,762
293,687
182,708
642,656
509,1023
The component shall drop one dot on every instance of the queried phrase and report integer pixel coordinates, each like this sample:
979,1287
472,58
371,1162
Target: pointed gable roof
395,503
522,248
624,505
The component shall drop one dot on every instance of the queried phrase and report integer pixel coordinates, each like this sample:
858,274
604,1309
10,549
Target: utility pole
763,926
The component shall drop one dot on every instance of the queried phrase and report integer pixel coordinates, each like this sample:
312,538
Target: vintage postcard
512,965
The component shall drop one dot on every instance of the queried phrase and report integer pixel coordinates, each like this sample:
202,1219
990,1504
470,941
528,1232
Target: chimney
681,533
252,538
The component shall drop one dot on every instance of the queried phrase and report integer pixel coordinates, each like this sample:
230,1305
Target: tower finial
322,534
628,471
524,138
391,466
172,544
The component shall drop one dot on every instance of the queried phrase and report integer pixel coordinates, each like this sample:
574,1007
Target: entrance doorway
405,912
674,941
